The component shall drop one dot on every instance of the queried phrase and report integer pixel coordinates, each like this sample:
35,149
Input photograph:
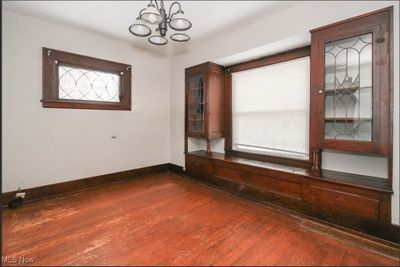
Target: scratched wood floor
164,219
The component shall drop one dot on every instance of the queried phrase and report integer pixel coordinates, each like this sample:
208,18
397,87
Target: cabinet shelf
344,119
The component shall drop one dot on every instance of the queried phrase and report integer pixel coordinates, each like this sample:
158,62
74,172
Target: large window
76,81
270,109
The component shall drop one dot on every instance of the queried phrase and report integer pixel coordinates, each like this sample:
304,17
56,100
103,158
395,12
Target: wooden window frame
52,58
257,63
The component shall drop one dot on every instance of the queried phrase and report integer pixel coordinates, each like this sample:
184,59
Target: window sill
353,180
76,104
298,163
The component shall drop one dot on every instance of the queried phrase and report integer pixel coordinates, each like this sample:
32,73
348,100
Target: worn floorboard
164,219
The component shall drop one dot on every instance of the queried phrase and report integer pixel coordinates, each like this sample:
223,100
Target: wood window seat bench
358,202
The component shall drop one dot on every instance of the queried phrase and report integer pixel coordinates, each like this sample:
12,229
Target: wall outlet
21,194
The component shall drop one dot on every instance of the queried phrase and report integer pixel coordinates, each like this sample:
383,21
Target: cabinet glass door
348,89
196,104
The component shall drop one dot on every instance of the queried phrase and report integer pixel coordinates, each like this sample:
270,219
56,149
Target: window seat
355,201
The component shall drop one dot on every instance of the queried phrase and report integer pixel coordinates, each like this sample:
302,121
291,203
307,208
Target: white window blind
271,109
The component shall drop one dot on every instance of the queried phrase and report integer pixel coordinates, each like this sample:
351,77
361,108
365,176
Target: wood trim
272,59
345,234
367,211
372,229
390,8
350,236
47,191
306,164
78,104
264,61
228,111
51,58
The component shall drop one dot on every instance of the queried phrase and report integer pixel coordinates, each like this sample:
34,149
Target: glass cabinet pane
348,89
196,104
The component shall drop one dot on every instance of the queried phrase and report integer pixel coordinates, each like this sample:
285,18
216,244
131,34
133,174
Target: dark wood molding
272,59
350,202
278,160
173,168
352,19
51,58
52,190
356,238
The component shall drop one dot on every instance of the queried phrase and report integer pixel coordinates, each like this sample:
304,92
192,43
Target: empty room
199,133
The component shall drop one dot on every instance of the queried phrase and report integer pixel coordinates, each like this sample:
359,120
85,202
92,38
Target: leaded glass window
196,104
84,84
81,82
348,88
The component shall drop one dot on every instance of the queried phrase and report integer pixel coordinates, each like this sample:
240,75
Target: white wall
44,146
269,34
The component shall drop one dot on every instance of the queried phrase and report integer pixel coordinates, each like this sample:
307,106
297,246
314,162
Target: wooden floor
164,219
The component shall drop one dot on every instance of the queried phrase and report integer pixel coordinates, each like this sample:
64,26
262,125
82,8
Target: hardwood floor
165,219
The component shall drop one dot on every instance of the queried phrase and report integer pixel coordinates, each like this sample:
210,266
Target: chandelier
155,15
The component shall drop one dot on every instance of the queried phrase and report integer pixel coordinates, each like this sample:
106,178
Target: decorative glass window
348,88
84,84
77,81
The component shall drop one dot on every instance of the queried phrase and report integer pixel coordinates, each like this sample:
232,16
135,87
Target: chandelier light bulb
179,22
151,15
152,18
139,28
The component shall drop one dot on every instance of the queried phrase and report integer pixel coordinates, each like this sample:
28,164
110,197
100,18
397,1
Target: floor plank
165,219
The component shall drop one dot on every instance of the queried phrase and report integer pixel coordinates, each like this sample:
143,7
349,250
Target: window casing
77,81
268,108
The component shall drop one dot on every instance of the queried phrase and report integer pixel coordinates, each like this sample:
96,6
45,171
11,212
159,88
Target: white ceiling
112,18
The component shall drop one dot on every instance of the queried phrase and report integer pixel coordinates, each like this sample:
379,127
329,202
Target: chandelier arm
140,13
156,4
170,8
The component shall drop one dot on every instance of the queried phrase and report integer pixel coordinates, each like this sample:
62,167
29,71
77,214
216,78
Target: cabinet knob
320,91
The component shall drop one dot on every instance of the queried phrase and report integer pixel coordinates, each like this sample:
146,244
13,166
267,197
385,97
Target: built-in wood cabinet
204,102
350,111
351,85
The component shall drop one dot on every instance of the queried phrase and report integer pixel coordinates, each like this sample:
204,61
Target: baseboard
176,169
51,190
343,233
355,238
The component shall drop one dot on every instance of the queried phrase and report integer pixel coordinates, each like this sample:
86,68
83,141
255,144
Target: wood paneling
277,186
360,205
335,201
165,220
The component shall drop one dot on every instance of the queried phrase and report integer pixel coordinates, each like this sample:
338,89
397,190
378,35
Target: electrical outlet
21,194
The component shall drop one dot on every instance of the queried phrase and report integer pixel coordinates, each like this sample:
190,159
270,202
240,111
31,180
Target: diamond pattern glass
83,84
